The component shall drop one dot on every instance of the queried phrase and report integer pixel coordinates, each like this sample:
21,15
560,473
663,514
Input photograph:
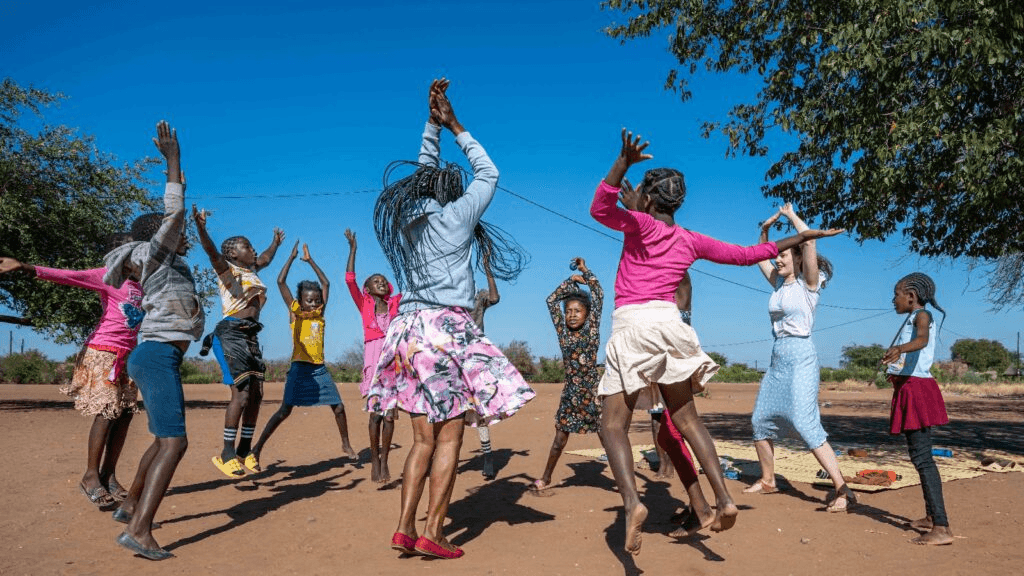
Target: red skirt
916,403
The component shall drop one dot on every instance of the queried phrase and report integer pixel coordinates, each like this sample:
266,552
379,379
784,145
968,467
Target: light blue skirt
788,398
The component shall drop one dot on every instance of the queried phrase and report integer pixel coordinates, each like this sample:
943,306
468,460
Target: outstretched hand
305,253
815,234
278,236
632,150
437,86
441,107
9,265
351,237
787,210
166,140
581,264
772,220
199,216
295,251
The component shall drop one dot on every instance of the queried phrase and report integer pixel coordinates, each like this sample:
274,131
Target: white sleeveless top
791,308
919,362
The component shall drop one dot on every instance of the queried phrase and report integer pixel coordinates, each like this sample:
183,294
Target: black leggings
919,442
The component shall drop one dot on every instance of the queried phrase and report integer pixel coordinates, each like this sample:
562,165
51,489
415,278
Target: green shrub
551,370
737,373
28,368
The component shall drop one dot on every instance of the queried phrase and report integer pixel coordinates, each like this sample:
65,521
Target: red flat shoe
435,550
403,543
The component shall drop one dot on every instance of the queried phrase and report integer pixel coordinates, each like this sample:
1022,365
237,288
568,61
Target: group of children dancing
426,353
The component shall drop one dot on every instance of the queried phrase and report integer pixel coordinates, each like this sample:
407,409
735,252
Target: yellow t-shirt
307,334
238,286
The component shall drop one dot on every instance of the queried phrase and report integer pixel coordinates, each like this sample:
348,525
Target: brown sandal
845,493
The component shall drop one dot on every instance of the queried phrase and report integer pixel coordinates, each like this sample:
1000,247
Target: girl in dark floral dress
579,333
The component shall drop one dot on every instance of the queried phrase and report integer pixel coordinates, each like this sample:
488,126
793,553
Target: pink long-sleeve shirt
122,307
655,255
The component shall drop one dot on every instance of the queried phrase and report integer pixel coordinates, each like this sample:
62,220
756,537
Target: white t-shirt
791,308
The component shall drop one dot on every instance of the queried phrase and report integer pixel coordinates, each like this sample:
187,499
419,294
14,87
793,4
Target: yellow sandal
232,468
252,463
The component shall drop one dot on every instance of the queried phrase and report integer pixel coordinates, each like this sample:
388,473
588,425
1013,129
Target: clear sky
288,114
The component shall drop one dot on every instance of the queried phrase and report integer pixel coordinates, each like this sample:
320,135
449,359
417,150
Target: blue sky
315,99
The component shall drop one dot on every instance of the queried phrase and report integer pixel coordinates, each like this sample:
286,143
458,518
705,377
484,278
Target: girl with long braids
789,390
649,342
436,364
917,402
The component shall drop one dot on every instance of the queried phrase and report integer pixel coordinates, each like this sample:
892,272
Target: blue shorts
310,385
156,369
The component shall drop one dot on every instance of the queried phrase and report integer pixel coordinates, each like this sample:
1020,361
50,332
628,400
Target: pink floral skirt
437,362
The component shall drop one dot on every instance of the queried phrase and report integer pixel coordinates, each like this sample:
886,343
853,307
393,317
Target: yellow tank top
238,286
307,334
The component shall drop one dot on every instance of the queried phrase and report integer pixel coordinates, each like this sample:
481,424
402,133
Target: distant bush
195,371
737,373
31,367
551,370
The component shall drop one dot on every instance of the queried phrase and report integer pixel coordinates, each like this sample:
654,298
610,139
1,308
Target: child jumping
235,340
100,385
917,402
309,383
377,307
788,395
173,319
436,364
579,333
484,300
649,342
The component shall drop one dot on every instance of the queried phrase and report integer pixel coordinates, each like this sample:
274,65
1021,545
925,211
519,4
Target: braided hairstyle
924,287
666,186
145,226
401,201
232,244
308,286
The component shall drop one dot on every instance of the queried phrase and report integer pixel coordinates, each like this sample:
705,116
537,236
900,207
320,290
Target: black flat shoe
151,553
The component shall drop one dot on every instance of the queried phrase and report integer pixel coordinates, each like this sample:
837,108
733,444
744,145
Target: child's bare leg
387,432
158,478
675,449
375,425
664,469
443,469
616,413
766,457
557,446
342,421
679,401
98,435
112,452
275,420
232,417
415,473
250,414
135,491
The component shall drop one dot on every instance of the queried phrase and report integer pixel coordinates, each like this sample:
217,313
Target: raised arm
282,278
596,297
567,287
810,249
164,243
324,283
604,207
217,260
350,270
769,271
8,265
430,145
267,256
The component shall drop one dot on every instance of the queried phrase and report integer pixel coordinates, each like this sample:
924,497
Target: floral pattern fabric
579,411
437,362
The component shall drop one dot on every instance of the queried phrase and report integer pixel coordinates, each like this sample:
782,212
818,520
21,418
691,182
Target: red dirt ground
311,512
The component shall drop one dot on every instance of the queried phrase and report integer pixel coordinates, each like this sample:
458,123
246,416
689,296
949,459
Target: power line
816,331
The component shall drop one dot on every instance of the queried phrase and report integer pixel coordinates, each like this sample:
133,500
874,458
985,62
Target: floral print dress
579,410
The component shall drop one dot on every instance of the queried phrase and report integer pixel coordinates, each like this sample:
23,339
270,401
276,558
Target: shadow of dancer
496,501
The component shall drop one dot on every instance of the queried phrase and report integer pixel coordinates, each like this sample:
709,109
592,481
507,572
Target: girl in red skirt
917,403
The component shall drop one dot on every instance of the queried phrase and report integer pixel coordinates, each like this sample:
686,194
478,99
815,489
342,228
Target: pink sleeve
353,289
88,279
708,248
605,210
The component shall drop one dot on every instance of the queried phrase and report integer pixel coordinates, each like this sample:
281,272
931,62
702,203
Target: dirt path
311,512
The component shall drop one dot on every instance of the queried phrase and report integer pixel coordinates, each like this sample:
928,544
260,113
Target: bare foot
924,524
385,474
696,521
762,486
664,472
634,522
347,449
541,488
939,536
725,516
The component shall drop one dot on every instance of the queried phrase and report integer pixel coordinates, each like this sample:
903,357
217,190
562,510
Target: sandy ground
311,512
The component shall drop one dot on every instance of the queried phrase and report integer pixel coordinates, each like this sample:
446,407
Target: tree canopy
906,116
856,356
62,201
981,355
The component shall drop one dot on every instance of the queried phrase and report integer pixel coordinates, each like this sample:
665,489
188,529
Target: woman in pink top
100,385
649,343
377,307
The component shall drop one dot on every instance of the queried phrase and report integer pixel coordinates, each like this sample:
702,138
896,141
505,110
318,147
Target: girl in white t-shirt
788,396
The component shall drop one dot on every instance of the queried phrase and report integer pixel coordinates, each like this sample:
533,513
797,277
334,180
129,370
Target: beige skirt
93,390
650,344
